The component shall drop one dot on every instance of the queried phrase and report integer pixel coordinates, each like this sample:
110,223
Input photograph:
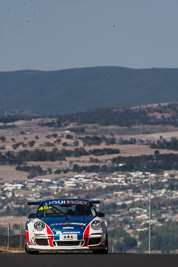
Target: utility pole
112,248
149,208
8,236
21,235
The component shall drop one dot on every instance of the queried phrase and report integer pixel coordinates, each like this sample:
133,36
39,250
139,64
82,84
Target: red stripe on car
26,236
86,235
50,236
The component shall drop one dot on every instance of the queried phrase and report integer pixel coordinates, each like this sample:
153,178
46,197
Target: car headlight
39,226
96,225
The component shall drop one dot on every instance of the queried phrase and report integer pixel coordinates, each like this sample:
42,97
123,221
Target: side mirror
100,214
31,216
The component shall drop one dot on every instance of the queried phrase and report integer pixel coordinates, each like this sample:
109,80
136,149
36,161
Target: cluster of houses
133,189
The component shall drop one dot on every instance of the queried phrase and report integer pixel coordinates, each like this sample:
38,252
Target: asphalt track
86,260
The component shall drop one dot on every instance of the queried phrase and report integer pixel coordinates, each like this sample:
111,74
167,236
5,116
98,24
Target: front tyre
102,251
26,249
30,252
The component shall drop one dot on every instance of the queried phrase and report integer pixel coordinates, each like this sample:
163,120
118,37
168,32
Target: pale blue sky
62,34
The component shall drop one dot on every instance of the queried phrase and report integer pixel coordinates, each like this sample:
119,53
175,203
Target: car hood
68,225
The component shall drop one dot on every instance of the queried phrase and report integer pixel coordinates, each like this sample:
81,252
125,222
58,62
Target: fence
12,236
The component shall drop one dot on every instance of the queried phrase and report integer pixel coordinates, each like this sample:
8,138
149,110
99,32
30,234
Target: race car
66,224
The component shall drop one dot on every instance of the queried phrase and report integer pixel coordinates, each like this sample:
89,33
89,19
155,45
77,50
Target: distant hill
155,114
74,90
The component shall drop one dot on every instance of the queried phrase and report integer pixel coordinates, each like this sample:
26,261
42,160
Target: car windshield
57,210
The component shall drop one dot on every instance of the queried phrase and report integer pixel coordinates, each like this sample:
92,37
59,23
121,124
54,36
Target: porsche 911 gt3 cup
66,224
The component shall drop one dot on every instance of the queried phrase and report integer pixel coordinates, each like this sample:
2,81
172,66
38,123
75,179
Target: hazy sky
62,34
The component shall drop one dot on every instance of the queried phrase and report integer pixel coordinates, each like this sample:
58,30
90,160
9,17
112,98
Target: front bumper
94,242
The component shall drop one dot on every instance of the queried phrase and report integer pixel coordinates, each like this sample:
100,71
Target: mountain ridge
79,89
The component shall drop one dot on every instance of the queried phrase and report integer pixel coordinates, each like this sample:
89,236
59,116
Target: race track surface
86,260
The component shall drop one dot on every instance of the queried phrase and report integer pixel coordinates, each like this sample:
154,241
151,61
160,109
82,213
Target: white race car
66,224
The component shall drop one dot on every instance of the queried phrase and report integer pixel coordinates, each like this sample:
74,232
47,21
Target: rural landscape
112,155
89,133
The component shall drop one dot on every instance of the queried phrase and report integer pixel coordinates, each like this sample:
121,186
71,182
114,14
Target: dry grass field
27,131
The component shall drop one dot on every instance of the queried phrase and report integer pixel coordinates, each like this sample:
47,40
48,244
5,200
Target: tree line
123,117
163,238
163,144
153,163
42,155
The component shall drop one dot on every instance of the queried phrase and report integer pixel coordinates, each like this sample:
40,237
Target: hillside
84,142
158,114
74,90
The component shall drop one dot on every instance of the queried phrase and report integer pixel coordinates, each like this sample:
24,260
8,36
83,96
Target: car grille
67,243
42,242
94,241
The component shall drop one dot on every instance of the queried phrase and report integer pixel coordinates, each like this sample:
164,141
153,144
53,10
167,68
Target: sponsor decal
72,223
80,224
71,232
45,208
67,232
68,227
54,202
69,202
55,224
78,202
58,232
